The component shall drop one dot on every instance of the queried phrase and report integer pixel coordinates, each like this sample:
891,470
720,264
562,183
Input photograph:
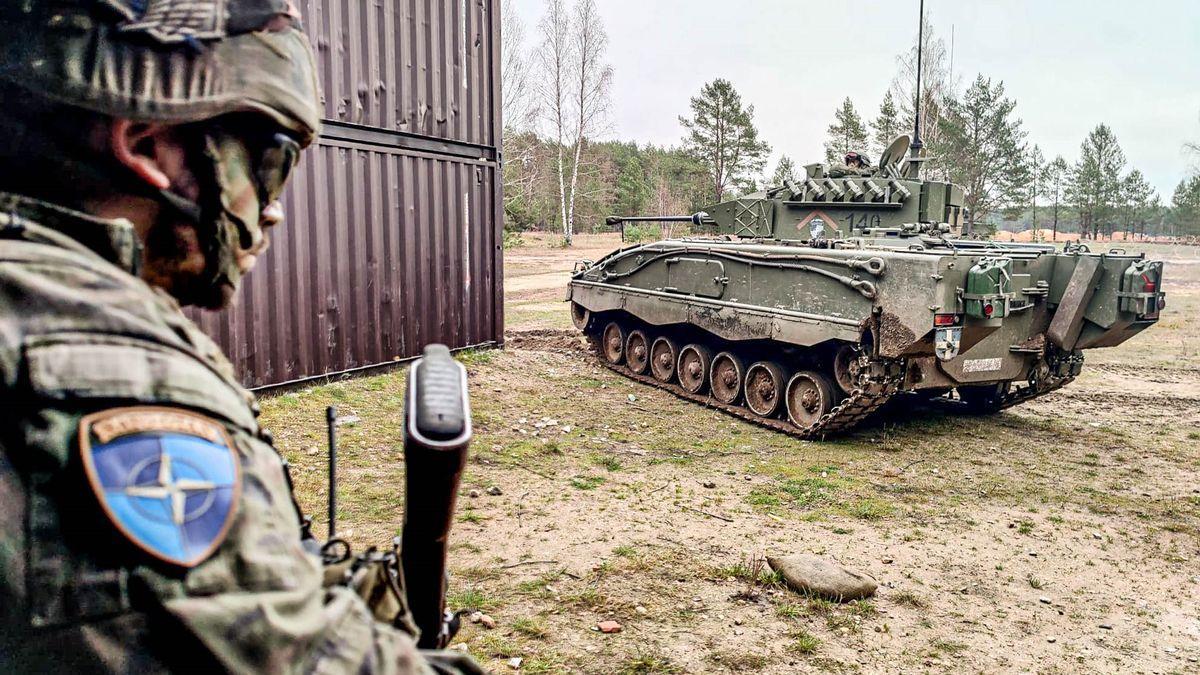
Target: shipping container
394,233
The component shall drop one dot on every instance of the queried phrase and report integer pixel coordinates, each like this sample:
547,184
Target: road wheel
694,362
580,316
809,398
764,388
663,355
637,352
983,399
725,377
612,343
846,368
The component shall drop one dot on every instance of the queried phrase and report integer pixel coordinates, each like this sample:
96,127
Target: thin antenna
951,59
916,144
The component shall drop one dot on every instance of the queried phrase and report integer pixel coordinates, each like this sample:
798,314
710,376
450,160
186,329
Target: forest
561,174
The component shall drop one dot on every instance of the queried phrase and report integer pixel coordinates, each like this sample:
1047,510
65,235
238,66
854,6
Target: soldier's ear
151,151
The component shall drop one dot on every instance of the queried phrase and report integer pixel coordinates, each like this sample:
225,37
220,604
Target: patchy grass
531,627
804,642
586,482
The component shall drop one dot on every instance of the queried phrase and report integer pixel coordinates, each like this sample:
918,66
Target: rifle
437,432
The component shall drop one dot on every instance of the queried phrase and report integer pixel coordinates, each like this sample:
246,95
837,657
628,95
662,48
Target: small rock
348,421
515,662
640,610
609,627
1051,640
709,484
474,493
1171,650
737,622
1044,600
823,577
495,491
886,561
461,647
1106,626
1033,553
1097,535
567,429
738,631
632,398
749,477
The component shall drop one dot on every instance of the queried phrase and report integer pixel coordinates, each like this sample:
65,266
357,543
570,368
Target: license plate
982,365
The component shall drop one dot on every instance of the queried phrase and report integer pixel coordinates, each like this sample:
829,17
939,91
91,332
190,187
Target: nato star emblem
168,480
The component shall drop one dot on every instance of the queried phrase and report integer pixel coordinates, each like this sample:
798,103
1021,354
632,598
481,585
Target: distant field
1060,536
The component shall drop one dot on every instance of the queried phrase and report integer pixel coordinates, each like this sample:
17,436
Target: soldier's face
181,258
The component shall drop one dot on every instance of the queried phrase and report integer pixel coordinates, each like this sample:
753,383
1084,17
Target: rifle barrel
331,427
437,435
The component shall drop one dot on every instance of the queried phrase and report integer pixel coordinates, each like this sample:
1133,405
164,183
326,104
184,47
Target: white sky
1069,64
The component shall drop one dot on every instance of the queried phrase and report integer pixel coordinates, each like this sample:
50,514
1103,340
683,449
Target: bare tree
938,87
517,105
591,83
554,59
574,85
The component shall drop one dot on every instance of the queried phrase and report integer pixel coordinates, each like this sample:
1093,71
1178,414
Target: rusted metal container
394,236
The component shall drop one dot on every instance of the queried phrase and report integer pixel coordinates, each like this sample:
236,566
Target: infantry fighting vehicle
818,300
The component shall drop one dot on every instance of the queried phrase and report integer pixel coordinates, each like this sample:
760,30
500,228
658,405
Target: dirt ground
1060,536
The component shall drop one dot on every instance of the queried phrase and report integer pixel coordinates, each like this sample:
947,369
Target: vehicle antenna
916,144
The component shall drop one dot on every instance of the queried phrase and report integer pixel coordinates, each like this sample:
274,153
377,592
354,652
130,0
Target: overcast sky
1069,64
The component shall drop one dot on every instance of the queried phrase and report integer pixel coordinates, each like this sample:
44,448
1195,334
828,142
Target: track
848,414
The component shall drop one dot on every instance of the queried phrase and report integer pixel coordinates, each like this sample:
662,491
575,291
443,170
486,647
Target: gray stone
823,577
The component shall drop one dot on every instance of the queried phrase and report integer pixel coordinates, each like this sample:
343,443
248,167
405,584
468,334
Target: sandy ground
1059,536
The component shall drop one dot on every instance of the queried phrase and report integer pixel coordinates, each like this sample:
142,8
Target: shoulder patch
169,480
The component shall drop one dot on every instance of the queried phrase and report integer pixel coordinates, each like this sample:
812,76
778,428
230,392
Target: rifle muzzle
437,432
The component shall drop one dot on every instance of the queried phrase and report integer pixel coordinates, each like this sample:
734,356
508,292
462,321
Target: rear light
989,309
941,320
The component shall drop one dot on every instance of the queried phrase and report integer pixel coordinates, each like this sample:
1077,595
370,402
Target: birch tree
590,84
554,59
938,87
517,104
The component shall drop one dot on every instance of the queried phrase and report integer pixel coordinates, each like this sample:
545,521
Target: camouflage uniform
92,357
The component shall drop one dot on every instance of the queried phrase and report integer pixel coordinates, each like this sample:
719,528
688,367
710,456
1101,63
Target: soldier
855,164
146,521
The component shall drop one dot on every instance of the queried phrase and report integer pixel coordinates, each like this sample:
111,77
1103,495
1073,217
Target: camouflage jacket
93,362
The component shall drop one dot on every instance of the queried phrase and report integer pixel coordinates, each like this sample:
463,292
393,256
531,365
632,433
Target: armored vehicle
815,302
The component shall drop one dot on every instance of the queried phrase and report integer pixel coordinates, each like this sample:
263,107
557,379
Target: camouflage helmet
172,61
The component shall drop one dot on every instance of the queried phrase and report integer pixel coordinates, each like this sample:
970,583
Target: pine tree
721,135
984,148
785,170
1135,200
1058,175
887,126
1035,174
1185,205
845,134
1096,181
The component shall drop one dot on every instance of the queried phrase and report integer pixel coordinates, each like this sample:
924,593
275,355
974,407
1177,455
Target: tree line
558,177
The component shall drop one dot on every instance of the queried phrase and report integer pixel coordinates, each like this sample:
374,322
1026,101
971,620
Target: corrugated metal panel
415,66
388,245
